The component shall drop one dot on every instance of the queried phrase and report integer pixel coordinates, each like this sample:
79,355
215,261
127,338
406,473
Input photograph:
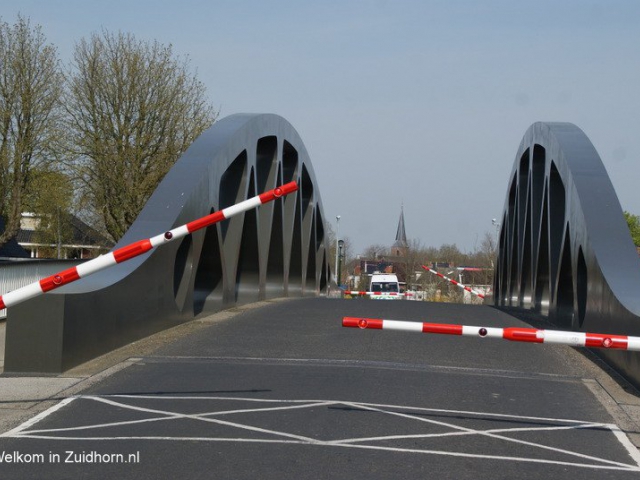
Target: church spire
400,246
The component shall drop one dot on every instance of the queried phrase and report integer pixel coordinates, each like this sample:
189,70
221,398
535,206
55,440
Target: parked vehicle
384,287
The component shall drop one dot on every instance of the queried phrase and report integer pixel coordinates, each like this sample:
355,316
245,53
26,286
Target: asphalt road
284,392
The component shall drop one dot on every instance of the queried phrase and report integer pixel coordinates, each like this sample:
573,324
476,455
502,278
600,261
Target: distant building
81,242
394,262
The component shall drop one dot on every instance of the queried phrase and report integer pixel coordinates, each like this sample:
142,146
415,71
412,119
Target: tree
372,252
49,196
31,85
633,221
414,259
133,109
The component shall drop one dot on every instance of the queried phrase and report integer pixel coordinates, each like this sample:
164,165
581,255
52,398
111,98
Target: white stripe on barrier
22,294
241,207
576,339
489,332
98,263
633,343
402,326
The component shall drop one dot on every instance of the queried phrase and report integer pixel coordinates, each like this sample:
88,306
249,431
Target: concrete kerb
24,397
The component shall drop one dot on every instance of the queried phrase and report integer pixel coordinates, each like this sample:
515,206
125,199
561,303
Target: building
80,241
392,262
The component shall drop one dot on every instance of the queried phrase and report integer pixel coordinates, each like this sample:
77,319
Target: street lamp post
497,225
497,247
340,245
335,277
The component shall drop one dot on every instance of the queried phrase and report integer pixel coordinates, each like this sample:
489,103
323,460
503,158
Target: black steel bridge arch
564,248
274,251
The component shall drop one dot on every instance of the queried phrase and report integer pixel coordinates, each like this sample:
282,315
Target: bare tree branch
133,109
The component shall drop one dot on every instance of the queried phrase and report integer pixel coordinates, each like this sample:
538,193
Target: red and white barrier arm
355,292
138,248
515,334
458,284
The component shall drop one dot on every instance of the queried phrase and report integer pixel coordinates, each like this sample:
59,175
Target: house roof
81,235
11,249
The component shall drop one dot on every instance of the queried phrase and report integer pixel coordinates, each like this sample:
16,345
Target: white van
384,286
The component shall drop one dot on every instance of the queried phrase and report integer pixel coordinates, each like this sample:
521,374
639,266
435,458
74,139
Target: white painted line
41,416
492,435
495,457
462,434
289,438
166,417
626,443
478,414
206,419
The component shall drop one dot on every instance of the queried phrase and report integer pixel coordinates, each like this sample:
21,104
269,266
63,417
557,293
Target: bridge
221,354
277,389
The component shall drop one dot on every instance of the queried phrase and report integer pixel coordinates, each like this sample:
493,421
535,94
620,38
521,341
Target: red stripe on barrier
132,250
358,322
59,279
285,189
606,341
205,221
2,305
350,322
442,328
522,335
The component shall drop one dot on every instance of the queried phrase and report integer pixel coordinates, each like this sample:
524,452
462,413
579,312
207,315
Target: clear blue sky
421,103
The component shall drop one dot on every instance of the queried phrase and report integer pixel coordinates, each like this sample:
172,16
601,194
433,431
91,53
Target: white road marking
25,430
41,416
471,431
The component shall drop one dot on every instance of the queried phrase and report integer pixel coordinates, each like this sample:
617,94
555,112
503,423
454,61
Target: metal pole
335,276
340,244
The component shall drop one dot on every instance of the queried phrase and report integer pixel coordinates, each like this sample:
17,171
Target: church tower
400,246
